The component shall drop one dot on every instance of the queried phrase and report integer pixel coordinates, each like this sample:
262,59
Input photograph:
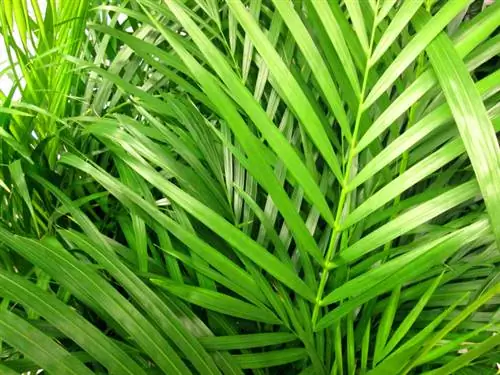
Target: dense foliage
250,186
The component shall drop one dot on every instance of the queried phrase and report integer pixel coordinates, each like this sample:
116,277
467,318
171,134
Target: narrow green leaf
386,322
211,255
356,15
137,236
20,17
406,180
246,341
270,359
8,12
255,7
386,7
212,9
339,42
429,123
454,345
337,347
289,88
146,98
199,328
476,30
398,360
87,285
12,142
257,163
157,310
365,346
7,371
238,239
414,48
463,360
412,316
268,226
241,95
13,111
436,255
400,20
351,345
38,346
408,221
472,121
218,302
367,280
211,274
315,61
88,337
461,316
17,174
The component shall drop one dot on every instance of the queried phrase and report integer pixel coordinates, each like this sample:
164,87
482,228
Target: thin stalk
344,191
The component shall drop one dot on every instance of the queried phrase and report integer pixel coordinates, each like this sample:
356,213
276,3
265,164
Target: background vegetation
267,187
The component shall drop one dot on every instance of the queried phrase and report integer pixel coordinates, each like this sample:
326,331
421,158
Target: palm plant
268,187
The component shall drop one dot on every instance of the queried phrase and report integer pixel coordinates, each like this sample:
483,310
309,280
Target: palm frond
261,186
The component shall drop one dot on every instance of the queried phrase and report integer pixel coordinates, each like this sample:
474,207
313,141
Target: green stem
345,190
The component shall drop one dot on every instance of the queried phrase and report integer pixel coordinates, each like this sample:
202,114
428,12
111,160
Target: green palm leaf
249,186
